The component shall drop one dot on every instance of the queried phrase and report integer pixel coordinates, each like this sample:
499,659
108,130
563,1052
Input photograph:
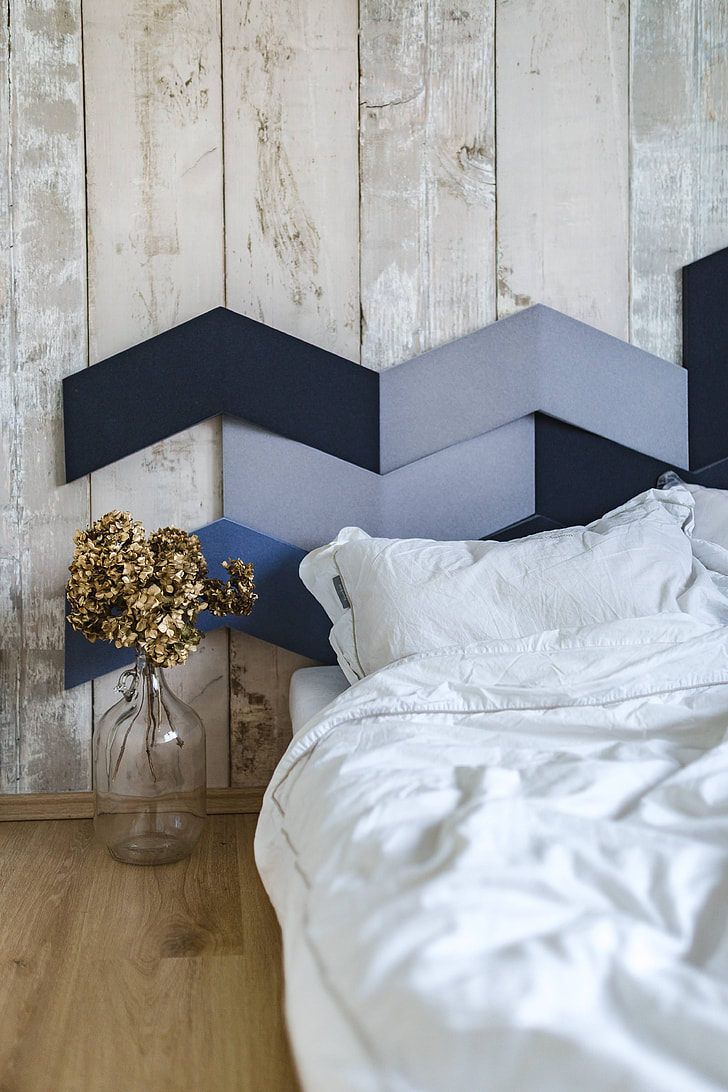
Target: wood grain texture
80,805
679,137
124,978
260,720
563,187
291,173
427,154
9,567
44,731
154,125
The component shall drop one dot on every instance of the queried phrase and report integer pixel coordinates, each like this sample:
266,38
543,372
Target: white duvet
504,867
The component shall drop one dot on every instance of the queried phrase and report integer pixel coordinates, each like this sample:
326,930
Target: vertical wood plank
9,568
679,137
260,723
45,732
291,170
427,151
291,201
562,135
155,226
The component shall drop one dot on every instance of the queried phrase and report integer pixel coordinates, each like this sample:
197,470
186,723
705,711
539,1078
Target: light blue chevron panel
306,496
607,386
536,360
459,390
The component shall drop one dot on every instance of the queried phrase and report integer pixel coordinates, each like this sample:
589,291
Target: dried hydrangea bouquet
149,748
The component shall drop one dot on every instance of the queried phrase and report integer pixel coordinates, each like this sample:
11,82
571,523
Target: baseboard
80,805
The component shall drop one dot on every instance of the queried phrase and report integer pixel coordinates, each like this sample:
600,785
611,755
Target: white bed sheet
505,867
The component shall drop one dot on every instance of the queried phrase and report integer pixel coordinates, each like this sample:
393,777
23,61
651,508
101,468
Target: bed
497,844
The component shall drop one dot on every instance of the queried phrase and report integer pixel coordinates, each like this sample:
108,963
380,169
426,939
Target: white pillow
711,514
389,598
710,509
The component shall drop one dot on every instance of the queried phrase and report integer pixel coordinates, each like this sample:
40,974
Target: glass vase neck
144,675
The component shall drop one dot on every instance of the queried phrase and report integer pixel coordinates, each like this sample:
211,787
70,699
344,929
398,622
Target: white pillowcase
710,509
390,598
711,514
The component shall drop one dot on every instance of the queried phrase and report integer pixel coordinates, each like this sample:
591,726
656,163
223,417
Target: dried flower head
237,595
146,593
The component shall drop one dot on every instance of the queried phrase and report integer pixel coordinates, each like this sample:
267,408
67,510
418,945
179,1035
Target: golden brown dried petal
147,593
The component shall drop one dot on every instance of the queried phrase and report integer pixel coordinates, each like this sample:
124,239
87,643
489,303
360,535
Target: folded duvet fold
505,867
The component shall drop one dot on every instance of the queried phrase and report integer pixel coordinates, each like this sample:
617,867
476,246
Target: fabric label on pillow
343,597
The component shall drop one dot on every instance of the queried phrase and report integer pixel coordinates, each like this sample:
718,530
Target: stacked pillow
710,509
390,598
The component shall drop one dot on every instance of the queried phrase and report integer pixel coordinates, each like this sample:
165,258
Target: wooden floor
115,978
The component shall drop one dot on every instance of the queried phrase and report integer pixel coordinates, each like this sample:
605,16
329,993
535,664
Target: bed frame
474,439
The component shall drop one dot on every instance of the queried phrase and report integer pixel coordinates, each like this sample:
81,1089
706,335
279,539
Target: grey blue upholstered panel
306,496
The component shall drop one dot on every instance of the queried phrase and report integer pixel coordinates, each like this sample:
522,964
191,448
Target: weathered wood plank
45,732
260,721
679,137
291,217
154,124
427,153
563,158
291,171
9,561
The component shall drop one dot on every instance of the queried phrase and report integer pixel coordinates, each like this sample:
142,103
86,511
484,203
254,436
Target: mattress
311,690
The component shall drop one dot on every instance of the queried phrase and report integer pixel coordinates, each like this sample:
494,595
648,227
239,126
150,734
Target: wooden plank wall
375,177
44,730
563,140
155,258
291,251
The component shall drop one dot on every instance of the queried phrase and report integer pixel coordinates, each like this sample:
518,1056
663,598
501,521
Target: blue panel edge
285,614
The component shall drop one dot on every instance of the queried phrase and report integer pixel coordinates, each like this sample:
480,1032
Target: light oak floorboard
120,978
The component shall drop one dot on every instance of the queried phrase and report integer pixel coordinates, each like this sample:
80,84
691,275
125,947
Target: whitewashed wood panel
155,216
160,236
10,629
427,152
291,217
291,167
679,138
44,306
562,71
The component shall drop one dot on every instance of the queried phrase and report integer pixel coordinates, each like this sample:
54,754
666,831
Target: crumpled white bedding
505,867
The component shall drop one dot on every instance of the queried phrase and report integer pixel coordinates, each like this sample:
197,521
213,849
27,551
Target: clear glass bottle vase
149,771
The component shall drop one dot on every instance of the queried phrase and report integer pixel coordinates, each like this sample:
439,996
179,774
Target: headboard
535,421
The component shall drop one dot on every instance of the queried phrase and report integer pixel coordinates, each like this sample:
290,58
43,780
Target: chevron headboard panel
533,422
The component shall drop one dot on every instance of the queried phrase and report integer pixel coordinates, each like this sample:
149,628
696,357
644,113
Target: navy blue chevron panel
536,421
219,362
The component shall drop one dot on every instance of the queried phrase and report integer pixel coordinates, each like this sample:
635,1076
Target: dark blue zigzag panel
705,355
219,362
